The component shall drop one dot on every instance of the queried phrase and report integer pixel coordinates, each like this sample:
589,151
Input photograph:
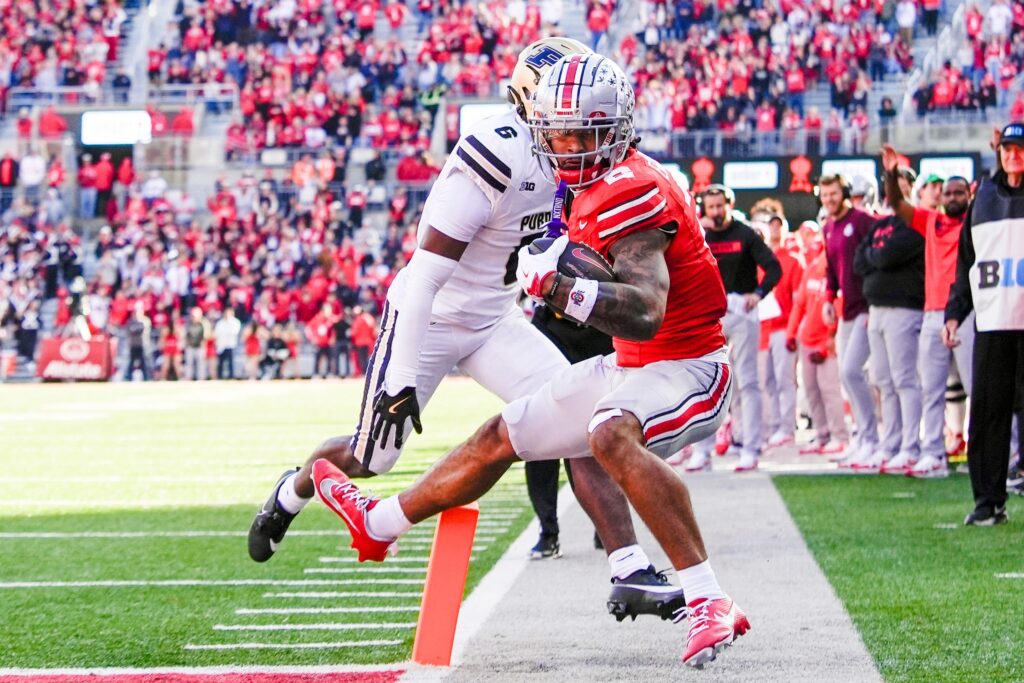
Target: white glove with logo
534,268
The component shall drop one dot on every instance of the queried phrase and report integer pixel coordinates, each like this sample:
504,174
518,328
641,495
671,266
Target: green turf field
156,482
921,588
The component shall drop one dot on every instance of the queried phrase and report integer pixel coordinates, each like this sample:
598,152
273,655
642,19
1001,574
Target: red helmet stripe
570,81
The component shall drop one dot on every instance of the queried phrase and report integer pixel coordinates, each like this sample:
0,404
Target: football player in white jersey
454,305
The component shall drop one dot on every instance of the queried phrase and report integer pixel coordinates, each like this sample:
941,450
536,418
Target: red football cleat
337,492
723,437
714,624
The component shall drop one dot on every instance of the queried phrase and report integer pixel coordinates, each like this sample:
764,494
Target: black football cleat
269,526
987,516
547,548
646,591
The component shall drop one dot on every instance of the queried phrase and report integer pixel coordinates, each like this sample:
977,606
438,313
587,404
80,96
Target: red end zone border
203,675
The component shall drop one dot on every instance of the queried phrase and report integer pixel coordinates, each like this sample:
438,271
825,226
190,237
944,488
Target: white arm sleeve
457,208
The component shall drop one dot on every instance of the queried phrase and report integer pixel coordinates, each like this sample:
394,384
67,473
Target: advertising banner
73,358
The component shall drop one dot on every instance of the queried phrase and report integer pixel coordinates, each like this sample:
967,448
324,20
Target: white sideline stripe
173,583
113,504
348,594
410,559
134,478
1011,575
296,646
308,627
365,570
321,610
477,608
391,560
149,534
219,670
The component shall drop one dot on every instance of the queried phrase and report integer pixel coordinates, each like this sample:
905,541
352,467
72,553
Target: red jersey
640,195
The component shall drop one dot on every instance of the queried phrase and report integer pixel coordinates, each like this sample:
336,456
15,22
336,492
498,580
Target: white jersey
496,155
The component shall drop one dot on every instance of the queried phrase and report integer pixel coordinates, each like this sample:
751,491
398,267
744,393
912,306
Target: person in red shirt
253,347
171,351
807,331
364,335
320,333
778,359
104,183
183,123
87,188
56,174
796,85
395,12
24,124
366,18
941,231
125,177
598,21
51,124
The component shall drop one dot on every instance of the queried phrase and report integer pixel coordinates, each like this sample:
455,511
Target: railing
716,143
70,96
281,157
217,97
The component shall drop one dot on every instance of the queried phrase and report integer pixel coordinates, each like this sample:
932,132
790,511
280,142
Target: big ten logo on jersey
527,186
534,221
1006,272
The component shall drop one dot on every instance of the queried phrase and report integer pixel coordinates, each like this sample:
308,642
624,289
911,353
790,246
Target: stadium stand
293,141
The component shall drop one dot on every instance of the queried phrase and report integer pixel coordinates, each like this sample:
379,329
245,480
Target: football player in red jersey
666,385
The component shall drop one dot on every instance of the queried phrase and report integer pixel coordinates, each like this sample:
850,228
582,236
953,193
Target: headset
725,191
844,183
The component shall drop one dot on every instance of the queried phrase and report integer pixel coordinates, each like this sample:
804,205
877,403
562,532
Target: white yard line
1011,575
310,627
391,560
219,670
320,595
245,611
298,646
176,583
148,534
365,570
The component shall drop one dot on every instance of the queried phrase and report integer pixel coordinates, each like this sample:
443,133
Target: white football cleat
699,461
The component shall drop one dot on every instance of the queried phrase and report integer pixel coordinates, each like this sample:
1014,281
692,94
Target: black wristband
554,286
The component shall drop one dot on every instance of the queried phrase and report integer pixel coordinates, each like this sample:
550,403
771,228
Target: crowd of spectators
46,43
306,79
985,64
743,66
285,256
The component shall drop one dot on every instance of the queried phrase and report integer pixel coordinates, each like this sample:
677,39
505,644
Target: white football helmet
534,61
586,95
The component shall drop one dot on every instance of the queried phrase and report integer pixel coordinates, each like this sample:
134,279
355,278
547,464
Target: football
578,260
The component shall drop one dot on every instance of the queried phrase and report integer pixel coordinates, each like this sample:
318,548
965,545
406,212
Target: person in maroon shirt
844,229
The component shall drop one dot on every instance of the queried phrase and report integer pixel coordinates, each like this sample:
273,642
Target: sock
699,582
625,561
288,498
386,520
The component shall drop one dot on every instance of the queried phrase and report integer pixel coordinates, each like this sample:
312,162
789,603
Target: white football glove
534,268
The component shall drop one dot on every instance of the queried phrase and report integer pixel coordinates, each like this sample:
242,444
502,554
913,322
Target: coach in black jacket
890,260
990,280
